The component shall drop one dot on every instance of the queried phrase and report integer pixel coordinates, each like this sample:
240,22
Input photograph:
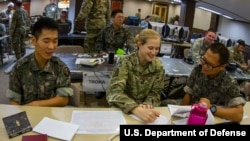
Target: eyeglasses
209,66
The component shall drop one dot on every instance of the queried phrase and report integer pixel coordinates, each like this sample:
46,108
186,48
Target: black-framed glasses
209,66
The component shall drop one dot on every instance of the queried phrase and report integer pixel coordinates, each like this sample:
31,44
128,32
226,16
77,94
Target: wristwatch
213,109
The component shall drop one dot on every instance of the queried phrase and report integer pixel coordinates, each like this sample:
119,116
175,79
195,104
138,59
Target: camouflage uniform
235,56
199,85
5,18
132,84
110,39
97,13
52,11
198,49
18,29
29,83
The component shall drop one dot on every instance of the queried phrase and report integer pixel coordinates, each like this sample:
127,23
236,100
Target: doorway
161,11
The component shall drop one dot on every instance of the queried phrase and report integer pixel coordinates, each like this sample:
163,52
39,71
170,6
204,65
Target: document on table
161,120
55,128
98,122
183,111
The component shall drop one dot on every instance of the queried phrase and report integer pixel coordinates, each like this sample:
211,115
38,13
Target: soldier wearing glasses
210,83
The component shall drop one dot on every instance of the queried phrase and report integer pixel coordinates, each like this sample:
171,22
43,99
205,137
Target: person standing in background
97,15
64,19
18,29
145,23
5,18
51,10
138,14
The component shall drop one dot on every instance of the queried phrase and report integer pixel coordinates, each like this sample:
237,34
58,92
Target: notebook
17,124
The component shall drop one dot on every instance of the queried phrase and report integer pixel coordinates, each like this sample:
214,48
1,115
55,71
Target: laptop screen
64,28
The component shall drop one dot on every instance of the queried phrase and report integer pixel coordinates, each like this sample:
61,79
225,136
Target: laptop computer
64,28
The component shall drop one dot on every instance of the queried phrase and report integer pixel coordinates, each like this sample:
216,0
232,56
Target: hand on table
146,114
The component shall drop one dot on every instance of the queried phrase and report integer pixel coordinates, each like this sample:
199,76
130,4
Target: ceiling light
209,10
227,16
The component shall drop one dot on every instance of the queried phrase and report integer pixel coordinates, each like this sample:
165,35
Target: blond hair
146,34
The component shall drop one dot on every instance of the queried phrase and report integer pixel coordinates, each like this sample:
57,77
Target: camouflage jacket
236,57
97,13
132,84
29,83
110,39
198,49
20,22
222,90
52,11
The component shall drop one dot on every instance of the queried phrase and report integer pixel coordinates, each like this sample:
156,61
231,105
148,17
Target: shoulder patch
66,71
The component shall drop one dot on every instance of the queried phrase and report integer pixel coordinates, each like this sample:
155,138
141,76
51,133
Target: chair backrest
69,49
75,99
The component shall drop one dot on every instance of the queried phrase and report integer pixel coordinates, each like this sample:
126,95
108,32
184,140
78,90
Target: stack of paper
98,122
57,129
183,111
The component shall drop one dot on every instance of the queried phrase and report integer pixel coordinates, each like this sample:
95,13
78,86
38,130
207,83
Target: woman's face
149,50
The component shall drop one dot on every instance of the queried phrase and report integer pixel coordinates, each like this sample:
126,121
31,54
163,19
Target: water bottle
198,114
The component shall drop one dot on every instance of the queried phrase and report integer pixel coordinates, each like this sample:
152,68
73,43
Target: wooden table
36,114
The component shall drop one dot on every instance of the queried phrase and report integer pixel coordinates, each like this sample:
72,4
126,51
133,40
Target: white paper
184,111
178,110
161,120
98,122
57,129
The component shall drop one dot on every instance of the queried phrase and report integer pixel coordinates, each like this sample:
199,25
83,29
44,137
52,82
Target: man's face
46,44
210,37
210,64
118,19
241,48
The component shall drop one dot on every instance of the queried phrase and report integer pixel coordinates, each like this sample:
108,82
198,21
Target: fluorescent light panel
215,12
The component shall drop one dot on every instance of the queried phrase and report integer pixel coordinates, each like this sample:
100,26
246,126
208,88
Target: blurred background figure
5,19
174,20
51,10
138,14
145,23
96,14
64,19
18,28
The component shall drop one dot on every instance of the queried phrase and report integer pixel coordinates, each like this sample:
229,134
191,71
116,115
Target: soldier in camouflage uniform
210,83
97,13
41,79
137,80
18,28
115,36
5,18
199,46
51,10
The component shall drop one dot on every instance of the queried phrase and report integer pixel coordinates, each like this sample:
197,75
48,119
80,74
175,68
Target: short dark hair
220,49
211,30
44,23
19,3
114,12
241,42
65,12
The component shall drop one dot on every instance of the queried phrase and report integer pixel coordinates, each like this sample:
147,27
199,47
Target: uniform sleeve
100,41
130,42
195,50
15,89
191,80
116,95
108,15
13,23
85,10
64,81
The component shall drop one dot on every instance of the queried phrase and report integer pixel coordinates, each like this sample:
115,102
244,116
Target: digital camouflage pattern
97,15
222,90
27,82
132,84
198,49
110,39
18,28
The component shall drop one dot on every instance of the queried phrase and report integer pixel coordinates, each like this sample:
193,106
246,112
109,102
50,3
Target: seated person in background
236,54
200,44
137,80
64,20
145,23
115,36
210,83
40,79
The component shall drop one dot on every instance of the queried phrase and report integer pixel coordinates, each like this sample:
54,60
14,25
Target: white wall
130,8
234,30
202,19
37,6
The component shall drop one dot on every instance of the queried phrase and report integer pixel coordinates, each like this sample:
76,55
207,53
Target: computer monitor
165,31
133,20
185,33
171,30
64,28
